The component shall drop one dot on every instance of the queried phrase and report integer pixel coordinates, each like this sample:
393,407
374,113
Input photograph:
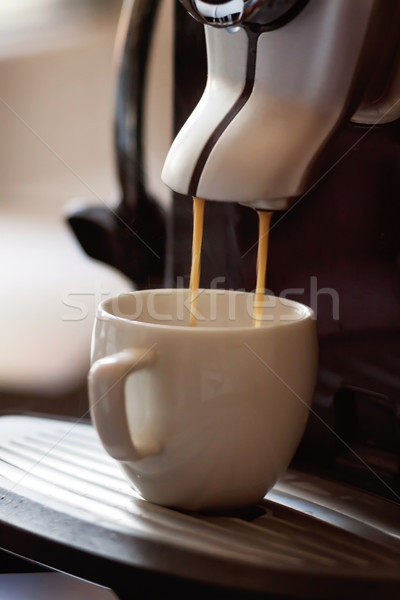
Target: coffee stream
198,219
262,257
264,219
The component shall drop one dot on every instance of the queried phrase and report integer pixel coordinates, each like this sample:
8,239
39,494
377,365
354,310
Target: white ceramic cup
204,417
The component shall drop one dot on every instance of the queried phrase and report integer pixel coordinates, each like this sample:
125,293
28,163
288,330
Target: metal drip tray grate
65,503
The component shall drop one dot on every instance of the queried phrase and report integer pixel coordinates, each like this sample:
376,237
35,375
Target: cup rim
302,312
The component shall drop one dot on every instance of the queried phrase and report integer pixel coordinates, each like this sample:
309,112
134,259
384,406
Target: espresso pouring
262,258
198,220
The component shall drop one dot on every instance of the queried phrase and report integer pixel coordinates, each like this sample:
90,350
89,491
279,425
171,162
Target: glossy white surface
225,81
212,415
304,76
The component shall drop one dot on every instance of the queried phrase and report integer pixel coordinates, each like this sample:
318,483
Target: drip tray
65,504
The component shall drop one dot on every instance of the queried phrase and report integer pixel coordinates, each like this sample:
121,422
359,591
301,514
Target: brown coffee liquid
262,258
198,220
264,219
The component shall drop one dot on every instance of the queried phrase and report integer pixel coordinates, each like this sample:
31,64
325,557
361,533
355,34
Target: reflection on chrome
224,14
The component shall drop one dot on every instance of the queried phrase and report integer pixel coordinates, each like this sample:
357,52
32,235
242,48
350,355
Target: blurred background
57,86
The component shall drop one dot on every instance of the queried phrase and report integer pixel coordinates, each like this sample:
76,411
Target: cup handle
106,383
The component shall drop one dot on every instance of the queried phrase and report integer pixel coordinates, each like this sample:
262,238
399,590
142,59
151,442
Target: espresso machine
289,106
